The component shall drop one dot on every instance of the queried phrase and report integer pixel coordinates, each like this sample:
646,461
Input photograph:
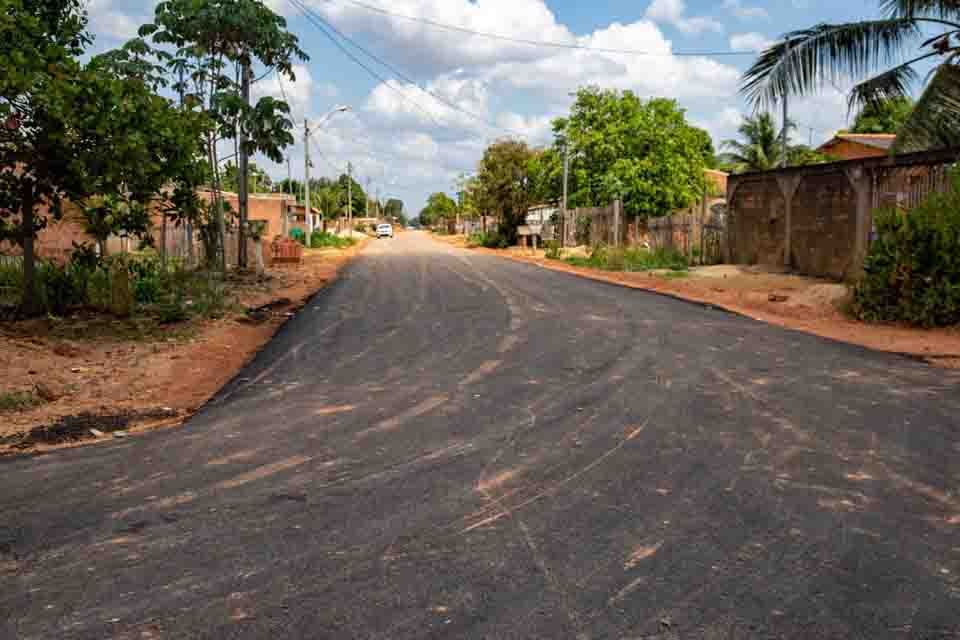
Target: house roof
876,140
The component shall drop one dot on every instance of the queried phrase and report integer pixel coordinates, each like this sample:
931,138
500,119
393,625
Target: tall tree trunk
243,172
221,259
30,303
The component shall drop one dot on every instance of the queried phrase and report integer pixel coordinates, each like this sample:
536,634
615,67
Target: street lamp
307,209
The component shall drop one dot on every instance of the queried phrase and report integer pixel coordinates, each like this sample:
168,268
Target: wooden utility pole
350,198
307,217
566,173
243,168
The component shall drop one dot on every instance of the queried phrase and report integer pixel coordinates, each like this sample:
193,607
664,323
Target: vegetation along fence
818,219
594,226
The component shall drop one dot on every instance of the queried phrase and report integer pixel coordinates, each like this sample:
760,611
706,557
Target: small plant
18,401
552,250
299,235
325,239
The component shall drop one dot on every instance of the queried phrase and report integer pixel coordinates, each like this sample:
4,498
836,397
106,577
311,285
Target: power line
307,14
539,43
403,76
406,78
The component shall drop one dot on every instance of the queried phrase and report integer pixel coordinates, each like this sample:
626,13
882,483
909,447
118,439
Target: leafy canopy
621,146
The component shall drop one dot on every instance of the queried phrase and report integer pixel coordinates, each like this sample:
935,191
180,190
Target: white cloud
673,12
657,74
417,45
750,42
433,105
298,93
107,22
738,9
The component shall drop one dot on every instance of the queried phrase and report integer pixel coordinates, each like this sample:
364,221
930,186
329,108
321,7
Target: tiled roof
877,140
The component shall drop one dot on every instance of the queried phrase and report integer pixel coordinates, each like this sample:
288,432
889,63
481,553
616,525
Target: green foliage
393,208
552,250
502,185
912,270
74,130
299,235
440,207
630,259
325,240
643,151
488,240
18,401
884,116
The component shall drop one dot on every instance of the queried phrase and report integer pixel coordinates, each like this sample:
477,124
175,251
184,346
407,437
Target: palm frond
943,9
935,120
894,83
807,59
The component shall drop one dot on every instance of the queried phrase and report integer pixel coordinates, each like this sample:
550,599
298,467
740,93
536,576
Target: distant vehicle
384,231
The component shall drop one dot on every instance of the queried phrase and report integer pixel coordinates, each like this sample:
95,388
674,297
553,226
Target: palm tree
762,148
882,54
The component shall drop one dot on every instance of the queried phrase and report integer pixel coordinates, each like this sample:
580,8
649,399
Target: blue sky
407,143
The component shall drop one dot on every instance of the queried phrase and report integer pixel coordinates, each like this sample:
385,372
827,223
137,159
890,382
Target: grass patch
18,401
327,240
609,259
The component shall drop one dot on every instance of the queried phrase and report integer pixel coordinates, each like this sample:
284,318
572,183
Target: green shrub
299,235
11,281
60,287
632,259
552,250
911,272
18,401
325,239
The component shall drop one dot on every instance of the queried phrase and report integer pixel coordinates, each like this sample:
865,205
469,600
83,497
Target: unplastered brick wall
817,219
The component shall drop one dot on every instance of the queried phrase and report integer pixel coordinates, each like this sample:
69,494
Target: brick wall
817,219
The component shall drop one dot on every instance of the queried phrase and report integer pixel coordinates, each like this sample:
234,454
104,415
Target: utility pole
350,198
308,218
286,210
243,168
367,198
566,173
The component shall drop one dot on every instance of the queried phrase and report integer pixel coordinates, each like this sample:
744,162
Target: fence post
788,188
860,181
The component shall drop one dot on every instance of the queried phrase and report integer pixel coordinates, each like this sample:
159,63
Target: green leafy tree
212,41
257,179
884,116
885,56
439,207
503,185
643,152
73,131
761,147
394,208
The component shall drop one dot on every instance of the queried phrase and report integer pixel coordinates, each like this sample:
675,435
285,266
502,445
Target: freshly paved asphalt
453,445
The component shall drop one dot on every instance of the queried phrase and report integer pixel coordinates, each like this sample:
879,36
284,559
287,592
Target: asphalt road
452,445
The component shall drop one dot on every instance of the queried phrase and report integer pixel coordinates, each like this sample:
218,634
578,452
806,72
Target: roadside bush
912,269
299,235
487,240
61,287
632,259
325,239
552,250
